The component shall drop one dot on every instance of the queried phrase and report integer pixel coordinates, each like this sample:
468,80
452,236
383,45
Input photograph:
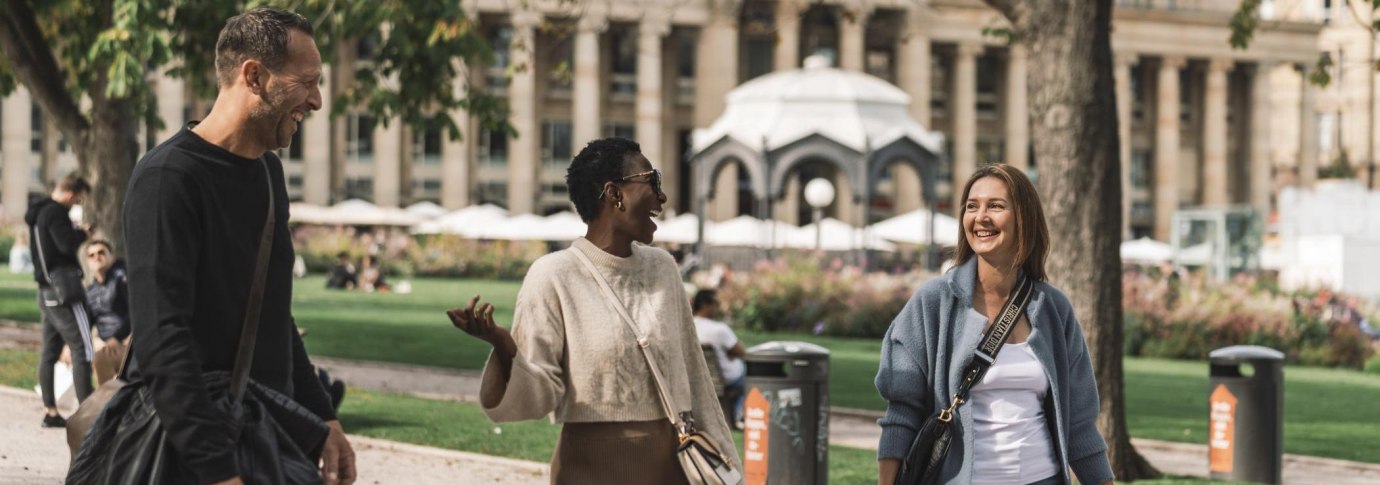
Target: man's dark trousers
69,325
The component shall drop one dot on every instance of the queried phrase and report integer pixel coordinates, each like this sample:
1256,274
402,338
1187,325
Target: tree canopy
105,51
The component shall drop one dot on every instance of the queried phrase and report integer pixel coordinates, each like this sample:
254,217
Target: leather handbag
278,442
65,281
702,461
931,445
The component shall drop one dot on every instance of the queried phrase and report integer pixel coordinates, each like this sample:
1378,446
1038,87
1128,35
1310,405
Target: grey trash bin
786,414
1246,413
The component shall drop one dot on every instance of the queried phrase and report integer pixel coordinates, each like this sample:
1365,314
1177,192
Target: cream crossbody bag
701,460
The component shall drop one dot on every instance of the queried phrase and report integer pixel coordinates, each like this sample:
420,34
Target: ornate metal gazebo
855,122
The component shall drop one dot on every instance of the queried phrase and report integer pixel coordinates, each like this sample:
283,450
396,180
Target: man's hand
337,458
111,342
478,321
232,481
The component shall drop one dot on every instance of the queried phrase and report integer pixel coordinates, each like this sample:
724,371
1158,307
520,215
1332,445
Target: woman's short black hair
599,162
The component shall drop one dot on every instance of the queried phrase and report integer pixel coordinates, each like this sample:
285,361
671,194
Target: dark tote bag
931,446
65,281
278,442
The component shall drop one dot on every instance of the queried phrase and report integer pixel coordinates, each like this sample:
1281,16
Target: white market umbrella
1146,251
683,229
838,236
426,209
464,221
913,228
748,231
562,226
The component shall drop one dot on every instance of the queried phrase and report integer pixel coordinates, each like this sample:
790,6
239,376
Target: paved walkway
853,428
847,427
32,455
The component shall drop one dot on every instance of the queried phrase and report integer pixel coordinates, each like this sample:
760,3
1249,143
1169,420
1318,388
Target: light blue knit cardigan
935,334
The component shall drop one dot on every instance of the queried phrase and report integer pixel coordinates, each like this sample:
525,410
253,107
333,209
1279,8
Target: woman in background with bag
603,337
1027,416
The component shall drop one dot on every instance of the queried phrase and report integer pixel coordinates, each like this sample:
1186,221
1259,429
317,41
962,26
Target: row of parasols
493,222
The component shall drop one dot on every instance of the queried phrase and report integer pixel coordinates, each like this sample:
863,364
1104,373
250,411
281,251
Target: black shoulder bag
278,442
65,281
931,445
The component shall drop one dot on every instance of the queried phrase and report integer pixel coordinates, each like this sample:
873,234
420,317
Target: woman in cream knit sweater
571,354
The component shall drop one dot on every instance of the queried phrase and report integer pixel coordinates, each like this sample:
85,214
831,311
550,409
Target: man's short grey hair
260,34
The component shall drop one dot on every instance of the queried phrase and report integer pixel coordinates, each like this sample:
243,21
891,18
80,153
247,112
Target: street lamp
819,193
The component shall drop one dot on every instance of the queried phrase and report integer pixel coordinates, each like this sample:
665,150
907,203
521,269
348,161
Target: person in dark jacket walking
55,242
108,300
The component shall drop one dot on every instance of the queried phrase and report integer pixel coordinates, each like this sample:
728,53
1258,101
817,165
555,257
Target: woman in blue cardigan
1033,416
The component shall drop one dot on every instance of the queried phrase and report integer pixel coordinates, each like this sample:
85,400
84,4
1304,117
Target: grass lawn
1328,412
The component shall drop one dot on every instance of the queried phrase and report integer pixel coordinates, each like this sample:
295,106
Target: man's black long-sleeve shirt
193,216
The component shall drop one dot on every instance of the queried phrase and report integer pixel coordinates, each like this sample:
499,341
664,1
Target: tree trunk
104,144
1074,126
107,161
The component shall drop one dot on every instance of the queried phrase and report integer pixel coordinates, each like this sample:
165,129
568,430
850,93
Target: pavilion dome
854,109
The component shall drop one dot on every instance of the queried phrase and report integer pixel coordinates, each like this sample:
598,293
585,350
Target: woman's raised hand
478,320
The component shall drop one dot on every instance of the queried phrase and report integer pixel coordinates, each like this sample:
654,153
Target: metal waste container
1246,413
786,414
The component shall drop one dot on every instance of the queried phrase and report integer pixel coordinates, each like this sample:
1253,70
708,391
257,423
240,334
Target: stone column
589,88
1124,100
788,208
787,54
716,63
964,113
725,194
316,147
172,98
1215,134
455,154
15,153
913,59
388,162
1017,110
342,76
1261,162
853,37
1308,131
650,117
845,208
1167,146
522,103
907,186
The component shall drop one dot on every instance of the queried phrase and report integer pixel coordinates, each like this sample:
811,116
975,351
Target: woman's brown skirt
632,453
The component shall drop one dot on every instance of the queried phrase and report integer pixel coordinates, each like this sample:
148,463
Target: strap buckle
948,414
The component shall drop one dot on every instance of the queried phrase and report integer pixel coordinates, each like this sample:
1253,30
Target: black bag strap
992,342
42,261
249,333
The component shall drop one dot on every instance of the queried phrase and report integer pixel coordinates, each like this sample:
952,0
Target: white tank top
1011,442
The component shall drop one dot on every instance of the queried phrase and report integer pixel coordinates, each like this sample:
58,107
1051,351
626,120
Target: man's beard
267,117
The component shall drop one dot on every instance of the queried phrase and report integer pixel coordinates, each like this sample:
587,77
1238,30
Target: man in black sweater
193,218
55,243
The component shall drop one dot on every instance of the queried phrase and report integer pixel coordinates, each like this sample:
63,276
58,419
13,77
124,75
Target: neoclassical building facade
1204,124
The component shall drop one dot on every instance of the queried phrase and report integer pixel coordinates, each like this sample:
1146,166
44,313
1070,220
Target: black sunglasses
655,180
